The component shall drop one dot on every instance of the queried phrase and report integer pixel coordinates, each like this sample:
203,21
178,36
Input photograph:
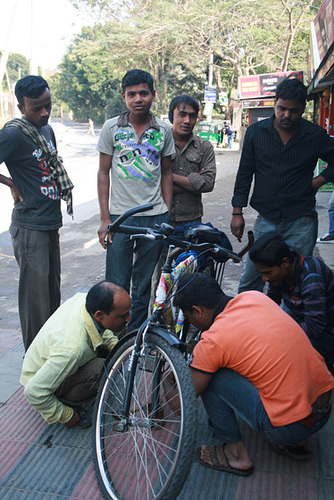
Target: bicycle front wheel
151,455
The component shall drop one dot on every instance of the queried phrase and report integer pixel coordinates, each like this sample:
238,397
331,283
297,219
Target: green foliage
88,79
17,67
173,40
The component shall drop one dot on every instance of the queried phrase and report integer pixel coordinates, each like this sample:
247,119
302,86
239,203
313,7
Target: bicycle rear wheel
151,456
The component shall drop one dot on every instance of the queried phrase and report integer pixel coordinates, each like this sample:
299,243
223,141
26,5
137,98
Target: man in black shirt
38,181
281,154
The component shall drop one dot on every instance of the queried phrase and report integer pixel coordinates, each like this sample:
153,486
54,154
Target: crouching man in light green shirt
61,368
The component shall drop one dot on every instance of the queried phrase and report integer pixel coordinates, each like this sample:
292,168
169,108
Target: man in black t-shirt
36,216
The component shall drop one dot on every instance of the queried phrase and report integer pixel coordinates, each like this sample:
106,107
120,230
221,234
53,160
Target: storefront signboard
254,86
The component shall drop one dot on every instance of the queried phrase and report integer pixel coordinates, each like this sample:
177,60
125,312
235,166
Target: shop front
257,93
321,71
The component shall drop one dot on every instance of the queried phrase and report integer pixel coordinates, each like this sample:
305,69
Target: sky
41,29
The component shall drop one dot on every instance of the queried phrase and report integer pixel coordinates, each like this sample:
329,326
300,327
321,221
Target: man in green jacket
62,368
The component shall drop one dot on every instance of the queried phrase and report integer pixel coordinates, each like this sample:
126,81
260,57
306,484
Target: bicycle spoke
141,457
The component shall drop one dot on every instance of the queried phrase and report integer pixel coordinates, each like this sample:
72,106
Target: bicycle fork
153,412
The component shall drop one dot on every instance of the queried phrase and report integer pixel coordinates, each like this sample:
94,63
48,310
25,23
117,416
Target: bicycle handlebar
157,234
126,215
132,230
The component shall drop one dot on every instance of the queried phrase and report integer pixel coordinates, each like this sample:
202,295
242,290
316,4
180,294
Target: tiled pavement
41,462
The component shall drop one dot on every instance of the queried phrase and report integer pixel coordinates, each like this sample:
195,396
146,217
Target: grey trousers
38,256
83,385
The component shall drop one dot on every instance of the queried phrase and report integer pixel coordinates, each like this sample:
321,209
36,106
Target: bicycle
143,449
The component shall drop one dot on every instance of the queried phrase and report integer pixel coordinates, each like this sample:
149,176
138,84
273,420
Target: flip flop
295,452
221,466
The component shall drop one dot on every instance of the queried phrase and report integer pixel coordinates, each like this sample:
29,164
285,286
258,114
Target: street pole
4,57
210,104
33,68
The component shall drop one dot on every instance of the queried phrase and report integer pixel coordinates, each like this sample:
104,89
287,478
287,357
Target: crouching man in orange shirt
254,361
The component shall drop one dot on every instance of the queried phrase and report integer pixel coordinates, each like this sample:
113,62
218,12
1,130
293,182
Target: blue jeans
299,234
331,215
133,262
230,140
230,394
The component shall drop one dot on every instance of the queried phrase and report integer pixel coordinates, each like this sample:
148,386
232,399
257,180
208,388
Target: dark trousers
38,256
83,385
130,262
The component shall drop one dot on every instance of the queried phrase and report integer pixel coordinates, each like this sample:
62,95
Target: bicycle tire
152,458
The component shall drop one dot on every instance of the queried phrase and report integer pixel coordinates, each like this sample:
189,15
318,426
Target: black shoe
84,422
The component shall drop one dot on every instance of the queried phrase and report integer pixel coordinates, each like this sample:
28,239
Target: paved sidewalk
41,462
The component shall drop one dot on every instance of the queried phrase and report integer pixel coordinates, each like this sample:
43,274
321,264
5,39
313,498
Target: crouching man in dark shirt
306,286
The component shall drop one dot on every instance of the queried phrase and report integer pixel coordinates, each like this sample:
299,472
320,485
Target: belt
320,408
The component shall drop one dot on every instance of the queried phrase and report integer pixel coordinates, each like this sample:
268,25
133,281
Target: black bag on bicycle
204,233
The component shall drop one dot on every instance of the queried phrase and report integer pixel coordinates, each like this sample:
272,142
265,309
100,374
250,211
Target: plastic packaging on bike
184,255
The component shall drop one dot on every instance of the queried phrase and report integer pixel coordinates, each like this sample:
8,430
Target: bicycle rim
152,456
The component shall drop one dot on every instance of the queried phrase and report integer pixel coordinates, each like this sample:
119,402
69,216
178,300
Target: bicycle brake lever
142,237
148,236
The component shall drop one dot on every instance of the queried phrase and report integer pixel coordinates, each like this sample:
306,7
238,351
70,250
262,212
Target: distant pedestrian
281,153
90,128
329,237
230,136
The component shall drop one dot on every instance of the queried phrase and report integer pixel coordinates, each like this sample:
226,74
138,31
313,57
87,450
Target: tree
88,80
295,12
174,40
17,67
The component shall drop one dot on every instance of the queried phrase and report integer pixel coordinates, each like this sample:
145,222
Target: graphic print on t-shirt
138,161
49,187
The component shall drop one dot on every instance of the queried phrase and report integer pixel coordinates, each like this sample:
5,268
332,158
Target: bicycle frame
162,322
169,277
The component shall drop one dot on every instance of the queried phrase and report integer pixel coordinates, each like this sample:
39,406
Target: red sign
323,24
259,103
264,85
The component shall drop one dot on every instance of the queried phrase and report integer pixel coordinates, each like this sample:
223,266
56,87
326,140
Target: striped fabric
311,299
55,162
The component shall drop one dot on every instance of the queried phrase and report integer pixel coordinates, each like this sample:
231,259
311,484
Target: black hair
270,249
197,290
136,77
186,100
30,86
291,88
101,297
